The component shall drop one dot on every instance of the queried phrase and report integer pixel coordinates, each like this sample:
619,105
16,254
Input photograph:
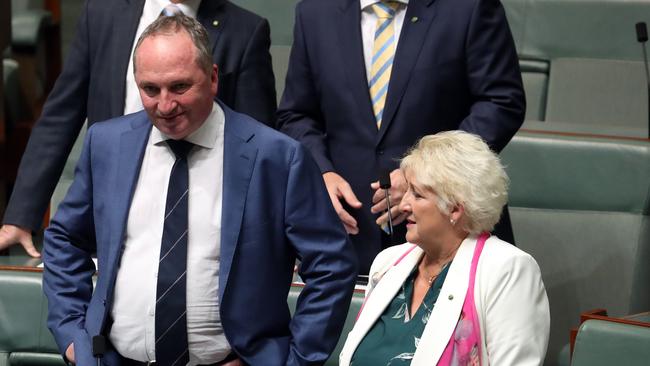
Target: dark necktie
171,322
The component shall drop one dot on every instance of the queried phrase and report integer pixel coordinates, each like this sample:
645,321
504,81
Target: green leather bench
24,337
580,60
603,343
581,207
26,341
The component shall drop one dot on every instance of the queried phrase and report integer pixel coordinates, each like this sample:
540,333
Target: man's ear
214,79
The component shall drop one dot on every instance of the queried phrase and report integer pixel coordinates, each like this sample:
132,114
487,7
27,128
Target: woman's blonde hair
460,169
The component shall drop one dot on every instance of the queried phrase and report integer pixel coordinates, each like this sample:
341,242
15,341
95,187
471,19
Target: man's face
176,93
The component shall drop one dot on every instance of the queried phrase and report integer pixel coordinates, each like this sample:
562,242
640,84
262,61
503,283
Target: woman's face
425,223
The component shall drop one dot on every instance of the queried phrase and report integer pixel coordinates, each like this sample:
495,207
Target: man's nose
167,104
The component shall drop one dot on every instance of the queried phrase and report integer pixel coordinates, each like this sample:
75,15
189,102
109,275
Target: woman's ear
456,213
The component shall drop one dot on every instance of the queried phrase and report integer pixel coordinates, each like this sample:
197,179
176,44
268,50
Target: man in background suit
434,66
96,84
251,201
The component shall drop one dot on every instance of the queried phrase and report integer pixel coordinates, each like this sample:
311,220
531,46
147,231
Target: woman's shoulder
499,255
389,256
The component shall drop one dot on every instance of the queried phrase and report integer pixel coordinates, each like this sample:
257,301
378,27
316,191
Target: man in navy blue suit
255,202
96,84
368,78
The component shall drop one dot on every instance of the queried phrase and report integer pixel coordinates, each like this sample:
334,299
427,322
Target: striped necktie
171,317
382,56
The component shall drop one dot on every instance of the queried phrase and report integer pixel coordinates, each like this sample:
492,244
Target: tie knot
171,10
180,147
385,9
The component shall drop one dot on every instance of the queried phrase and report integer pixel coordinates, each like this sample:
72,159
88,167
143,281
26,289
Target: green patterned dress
393,338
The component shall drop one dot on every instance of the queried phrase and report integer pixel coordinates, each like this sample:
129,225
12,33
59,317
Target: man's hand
11,234
338,188
69,353
398,187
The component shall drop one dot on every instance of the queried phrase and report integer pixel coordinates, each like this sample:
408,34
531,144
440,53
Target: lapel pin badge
414,19
451,297
215,23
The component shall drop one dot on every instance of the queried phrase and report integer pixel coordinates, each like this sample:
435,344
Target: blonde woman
452,295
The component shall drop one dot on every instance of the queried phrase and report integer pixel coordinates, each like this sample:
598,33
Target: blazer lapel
417,20
380,298
349,32
213,19
446,312
127,17
238,162
132,143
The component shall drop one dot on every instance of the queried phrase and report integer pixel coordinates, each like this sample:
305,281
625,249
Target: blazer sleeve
328,264
255,83
68,268
494,78
53,136
299,114
515,311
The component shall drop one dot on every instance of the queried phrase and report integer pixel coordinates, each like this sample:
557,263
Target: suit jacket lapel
127,17
446,312
349,33
238,161
417,20
213,19
132,143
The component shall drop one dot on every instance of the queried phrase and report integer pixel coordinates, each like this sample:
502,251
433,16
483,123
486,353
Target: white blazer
509,296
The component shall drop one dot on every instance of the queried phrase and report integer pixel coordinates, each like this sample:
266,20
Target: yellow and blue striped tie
382,56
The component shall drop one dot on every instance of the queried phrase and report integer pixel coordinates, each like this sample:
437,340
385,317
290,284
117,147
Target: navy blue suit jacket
92,85
275,208
455,67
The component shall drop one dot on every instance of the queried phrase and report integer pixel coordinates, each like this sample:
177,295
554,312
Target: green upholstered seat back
603,343
598,92
24,337
580,206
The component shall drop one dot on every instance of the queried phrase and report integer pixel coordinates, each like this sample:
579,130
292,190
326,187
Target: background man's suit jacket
275,208
92,84
455,67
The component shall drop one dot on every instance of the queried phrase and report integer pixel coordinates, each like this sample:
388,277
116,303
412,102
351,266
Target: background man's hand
11,234
398,187
69,353
338,188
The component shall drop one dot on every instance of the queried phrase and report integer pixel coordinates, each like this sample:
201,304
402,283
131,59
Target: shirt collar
205,136
367,3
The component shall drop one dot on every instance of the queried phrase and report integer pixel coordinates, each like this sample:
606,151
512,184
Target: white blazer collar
444,316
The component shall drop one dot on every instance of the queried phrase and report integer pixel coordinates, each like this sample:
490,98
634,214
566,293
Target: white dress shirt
133,311
150,12
369,25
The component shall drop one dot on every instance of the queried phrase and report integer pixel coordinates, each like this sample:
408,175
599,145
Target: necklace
431,278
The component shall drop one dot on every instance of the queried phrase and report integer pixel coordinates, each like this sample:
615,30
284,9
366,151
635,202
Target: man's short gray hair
169,25
460,168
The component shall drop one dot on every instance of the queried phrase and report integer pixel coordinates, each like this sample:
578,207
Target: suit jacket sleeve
494,77
516,332
299,114
328,264
255,83
68,268
53,136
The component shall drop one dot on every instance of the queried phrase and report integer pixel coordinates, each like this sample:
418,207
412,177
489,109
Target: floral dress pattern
394,337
